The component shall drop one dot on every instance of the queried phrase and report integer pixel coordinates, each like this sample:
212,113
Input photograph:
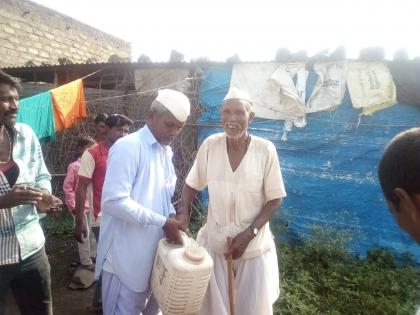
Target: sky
218,29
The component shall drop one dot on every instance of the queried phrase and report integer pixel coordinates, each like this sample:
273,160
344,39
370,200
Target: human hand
80,229
239,243
56,207
20,195
171,229
49,204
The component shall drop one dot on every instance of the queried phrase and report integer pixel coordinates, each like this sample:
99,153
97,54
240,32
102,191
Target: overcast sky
217,29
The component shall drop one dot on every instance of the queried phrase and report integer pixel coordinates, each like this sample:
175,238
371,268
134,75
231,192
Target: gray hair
158,108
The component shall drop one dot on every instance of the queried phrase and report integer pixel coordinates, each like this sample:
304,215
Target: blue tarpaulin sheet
329,166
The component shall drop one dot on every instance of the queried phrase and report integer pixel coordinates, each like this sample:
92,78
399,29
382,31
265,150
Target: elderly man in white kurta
245,185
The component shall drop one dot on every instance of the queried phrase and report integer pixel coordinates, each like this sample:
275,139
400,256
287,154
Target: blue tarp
329,167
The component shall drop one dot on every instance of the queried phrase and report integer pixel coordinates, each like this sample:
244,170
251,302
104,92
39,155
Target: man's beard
236,136
10,121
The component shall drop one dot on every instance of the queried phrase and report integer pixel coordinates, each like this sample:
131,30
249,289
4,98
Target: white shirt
136,200
236,198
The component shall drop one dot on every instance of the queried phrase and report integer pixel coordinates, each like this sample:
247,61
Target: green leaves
63,225
320,276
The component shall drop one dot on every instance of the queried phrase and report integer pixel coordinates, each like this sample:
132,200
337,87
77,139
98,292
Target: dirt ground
61,251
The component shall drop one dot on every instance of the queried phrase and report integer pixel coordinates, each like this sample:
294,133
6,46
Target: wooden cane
230,280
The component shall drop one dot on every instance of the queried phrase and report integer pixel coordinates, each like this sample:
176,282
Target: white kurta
235,200
136,200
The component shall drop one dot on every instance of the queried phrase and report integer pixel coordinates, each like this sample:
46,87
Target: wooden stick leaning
230,280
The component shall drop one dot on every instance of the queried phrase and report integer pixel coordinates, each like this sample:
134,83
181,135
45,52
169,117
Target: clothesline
215,125
141,92
95,72
363,124
53,110
60,108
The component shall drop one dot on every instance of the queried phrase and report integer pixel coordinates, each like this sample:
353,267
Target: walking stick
230,280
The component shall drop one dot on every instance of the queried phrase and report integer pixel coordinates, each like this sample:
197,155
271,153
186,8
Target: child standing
86,249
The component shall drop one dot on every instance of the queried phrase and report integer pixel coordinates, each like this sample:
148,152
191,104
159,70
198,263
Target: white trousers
118,299
256,283
87,249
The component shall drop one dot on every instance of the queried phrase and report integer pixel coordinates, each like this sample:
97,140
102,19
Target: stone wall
31,32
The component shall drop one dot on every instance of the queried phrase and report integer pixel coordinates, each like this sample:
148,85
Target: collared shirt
20,233
136,200
70,186
93,165
237,197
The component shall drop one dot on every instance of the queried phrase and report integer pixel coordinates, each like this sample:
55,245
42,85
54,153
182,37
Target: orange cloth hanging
69,104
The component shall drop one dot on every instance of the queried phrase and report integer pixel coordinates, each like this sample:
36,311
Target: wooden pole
230,281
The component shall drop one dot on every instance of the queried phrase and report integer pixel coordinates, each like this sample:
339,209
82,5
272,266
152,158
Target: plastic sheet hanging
272,88
371,86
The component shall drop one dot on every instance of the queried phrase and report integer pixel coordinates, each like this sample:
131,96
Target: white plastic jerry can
180,276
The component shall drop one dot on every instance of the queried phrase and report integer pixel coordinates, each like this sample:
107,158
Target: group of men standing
242,173
134,205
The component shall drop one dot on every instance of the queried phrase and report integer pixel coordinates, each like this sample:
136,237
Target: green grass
320,276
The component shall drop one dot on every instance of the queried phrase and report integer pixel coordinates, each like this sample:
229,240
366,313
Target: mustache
232,124
11,112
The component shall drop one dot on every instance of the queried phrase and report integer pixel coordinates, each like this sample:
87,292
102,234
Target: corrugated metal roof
48,66
138,65
155,65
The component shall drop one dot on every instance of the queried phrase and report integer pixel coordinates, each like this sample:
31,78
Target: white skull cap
235,93
176,102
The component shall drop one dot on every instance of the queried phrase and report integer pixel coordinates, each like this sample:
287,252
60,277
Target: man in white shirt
136,207
243,176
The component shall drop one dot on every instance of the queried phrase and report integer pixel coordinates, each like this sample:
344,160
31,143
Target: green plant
60,225
320,276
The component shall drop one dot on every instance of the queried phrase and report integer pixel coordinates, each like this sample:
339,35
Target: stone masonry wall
31,32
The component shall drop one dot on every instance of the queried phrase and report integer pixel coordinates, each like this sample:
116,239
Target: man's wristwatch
253,229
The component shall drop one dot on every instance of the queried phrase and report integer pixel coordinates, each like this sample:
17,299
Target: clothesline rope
141,92
359,123
213,125
95,72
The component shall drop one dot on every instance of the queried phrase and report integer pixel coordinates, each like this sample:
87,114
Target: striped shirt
20,232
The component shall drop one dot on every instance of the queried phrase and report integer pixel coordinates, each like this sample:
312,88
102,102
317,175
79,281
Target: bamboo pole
230,281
